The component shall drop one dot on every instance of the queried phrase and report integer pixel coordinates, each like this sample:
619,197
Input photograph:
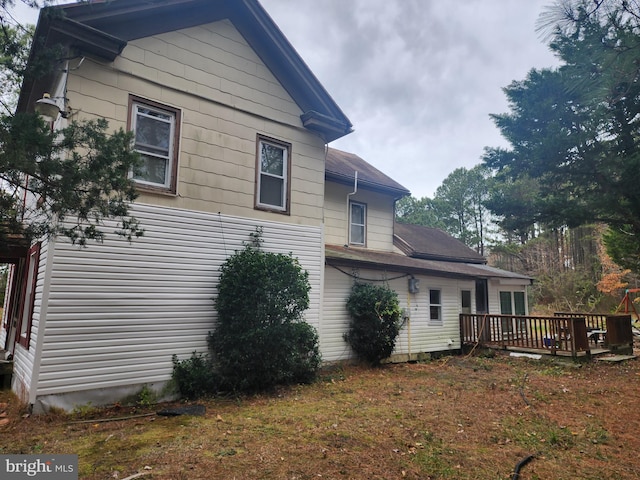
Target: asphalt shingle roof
341,167
337,256
431,243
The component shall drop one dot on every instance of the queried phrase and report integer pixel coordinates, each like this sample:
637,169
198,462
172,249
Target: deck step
615,358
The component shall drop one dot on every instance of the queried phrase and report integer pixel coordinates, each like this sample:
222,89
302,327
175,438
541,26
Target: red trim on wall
33,259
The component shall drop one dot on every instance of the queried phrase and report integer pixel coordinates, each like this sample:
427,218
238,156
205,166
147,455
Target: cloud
418,78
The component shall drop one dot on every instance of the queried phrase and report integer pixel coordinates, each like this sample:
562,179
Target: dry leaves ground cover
454,418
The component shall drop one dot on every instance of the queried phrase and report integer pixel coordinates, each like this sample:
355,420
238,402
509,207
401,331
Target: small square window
358,224
155,129
273,175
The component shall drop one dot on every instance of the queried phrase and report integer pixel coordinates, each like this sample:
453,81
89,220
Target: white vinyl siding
118,311
335,318
418,334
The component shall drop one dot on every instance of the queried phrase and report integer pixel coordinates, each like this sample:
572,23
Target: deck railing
556,335
594,321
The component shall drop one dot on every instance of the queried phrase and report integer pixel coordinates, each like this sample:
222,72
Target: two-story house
233,129
435,276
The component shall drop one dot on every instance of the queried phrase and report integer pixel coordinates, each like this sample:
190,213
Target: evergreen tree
64,182
574,130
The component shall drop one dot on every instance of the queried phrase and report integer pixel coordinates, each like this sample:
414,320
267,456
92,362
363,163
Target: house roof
103,28
341,167
340,256
433,244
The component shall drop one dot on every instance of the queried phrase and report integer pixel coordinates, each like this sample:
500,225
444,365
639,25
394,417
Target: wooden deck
571,335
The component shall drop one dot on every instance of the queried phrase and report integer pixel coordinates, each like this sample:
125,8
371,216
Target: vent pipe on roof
349,195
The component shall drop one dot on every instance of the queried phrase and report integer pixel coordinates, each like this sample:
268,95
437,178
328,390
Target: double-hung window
357,224
156,133
435,306
272,184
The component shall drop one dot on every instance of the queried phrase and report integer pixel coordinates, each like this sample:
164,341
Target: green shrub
195,376
375,321
261,339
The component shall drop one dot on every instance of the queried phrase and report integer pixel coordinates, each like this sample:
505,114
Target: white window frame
362,226
512,301
171,157
438,306
470,292
284,177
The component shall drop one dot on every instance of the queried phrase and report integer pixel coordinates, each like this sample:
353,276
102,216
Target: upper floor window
156,133
273,175
357,224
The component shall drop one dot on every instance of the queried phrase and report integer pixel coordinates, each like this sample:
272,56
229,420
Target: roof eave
342,256
321,113
87,40
351,262
59,30
330,128
446,258
397,193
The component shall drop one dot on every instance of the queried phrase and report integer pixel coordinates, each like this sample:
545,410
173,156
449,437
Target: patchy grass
453,418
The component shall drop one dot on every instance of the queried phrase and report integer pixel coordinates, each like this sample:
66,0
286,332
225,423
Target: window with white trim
435,305
273,175
156,133
357,224
512,303
465,301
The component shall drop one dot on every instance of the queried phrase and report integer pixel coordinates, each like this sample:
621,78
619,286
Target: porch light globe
47,107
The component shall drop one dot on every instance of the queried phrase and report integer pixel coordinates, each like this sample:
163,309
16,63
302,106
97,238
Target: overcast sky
417,78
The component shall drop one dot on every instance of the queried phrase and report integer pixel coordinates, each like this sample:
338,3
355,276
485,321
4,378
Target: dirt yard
452,418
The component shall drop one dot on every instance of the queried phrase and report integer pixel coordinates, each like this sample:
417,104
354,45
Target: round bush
375,321
261,339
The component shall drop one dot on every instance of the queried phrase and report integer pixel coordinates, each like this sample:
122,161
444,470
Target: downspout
408,319
349,195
